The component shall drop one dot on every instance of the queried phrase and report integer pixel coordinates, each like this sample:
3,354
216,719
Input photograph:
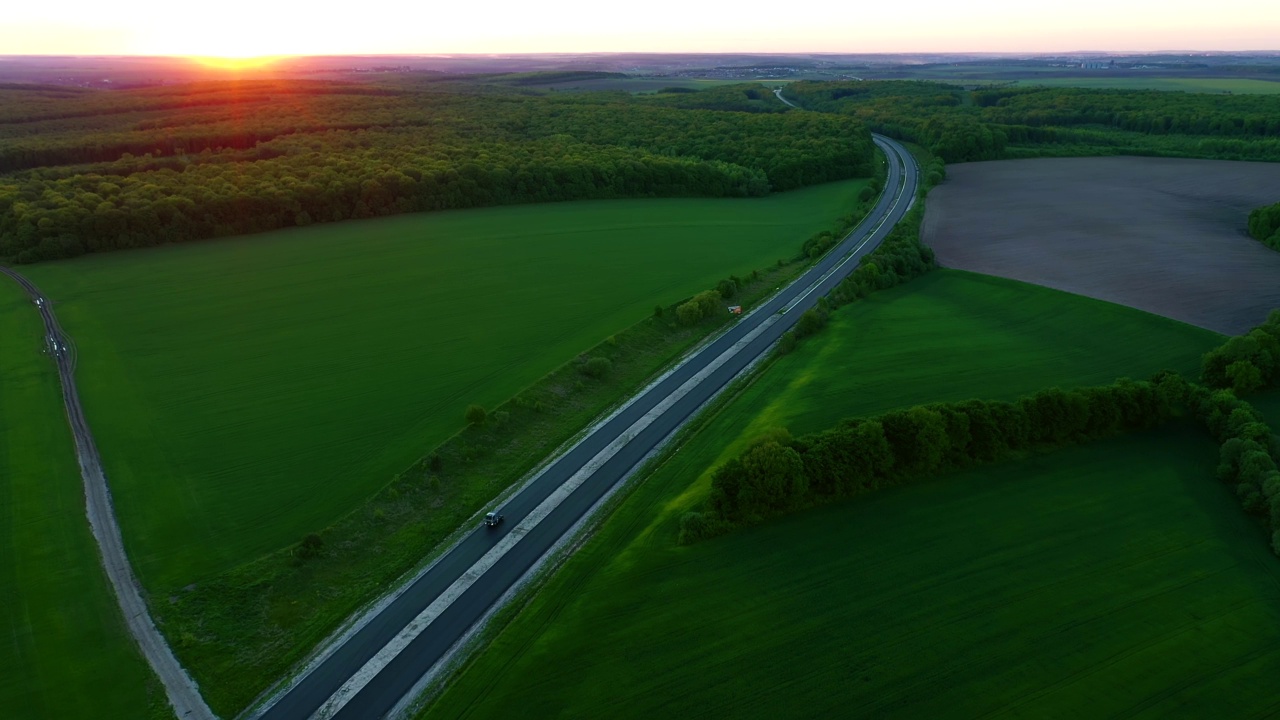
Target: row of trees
988,124
251,165
1264,224
778,474
1247,454
1246,363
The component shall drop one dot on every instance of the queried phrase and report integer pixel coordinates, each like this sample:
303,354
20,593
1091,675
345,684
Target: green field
1196,85
1269,404
66,653
604,634
951,335
250,390
1116,579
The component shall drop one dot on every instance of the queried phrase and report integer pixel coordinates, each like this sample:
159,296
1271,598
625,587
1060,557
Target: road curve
420,626
183,694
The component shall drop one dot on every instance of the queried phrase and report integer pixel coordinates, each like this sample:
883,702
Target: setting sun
236,62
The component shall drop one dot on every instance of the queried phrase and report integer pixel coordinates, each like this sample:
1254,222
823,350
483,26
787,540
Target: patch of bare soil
1159,234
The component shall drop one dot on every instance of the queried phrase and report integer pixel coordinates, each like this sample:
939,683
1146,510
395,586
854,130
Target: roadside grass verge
370,329
248,391
1091,581
246,627
66,653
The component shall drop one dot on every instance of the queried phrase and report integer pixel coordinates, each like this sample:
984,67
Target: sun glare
236,62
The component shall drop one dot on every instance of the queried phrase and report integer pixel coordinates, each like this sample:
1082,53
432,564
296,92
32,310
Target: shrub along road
182,691
367,674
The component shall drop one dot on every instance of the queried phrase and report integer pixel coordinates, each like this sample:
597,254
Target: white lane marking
365,674
396,645
817,283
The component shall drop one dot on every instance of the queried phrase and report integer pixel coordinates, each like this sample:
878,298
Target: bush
1246,363
310,547
475,415
596,367
703,305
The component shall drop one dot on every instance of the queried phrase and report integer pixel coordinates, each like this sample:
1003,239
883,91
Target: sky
248,28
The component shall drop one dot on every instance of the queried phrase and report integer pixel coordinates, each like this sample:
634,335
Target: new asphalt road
613,449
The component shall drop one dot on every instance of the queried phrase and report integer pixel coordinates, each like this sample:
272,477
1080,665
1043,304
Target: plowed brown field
1159,234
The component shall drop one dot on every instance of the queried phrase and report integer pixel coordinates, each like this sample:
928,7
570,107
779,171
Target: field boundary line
182,691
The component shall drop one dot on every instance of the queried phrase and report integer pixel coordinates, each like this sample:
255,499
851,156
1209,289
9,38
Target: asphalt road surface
376,698
181,690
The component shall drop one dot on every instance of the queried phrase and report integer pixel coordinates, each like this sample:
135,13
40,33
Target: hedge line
778,474
1246,363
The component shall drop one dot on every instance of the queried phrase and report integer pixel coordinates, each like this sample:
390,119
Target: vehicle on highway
493,519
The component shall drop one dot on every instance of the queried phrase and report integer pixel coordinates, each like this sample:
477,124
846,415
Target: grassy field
959,556
1269,404
1111,580
950,335
248,391
66,653
1195,85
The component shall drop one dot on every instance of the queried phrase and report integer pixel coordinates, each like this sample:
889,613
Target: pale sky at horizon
241,28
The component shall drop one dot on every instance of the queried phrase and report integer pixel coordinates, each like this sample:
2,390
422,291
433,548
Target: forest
91,171
962,125
98,171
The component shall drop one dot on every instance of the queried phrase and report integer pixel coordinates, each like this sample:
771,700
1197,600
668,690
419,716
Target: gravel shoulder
1159,234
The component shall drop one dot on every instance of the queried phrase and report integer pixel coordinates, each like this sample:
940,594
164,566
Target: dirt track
184,695
1159,234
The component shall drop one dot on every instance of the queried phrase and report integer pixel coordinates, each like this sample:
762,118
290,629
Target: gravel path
183,693
1159,234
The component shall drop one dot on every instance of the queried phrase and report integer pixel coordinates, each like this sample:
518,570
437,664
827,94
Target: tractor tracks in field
181,690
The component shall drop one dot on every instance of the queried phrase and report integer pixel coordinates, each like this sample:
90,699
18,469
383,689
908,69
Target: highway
442,605
181,690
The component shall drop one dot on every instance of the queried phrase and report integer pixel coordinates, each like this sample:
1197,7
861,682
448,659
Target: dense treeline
1246,363
1264,224
743,98
778,474
119,170
989,124
1247,454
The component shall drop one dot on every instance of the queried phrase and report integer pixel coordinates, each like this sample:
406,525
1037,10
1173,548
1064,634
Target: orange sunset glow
240,29
234,62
